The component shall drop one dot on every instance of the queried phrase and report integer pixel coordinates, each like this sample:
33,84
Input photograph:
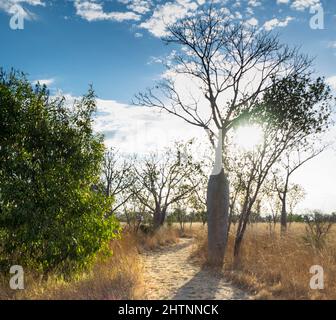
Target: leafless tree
163,180
135,212
295,195
289,164
272,203
117,177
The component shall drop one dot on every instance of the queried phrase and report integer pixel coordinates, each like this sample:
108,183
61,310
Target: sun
248,137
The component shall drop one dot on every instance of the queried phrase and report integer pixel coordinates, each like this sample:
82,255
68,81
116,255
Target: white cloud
332,44
12,6
46,82
138,6
332,82
282,1
136,129
252,22
6,5
237,4
318,179
301,5
91,10
237,15
254,3
155,15
275,23
168,13
249,11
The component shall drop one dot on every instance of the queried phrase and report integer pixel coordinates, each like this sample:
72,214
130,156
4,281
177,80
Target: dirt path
170,275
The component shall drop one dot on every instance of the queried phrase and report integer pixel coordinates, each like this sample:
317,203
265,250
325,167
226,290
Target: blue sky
115,44
80,42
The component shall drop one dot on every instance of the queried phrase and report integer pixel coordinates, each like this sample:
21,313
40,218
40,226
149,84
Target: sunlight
247,137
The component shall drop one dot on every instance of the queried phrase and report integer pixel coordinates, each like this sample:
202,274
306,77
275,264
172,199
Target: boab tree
216,74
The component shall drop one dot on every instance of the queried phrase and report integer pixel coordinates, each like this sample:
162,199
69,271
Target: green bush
52,218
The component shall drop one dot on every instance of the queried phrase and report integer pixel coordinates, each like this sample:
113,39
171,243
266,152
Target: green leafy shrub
52,218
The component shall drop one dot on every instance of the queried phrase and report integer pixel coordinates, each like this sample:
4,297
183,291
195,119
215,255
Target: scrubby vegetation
78,216
274,267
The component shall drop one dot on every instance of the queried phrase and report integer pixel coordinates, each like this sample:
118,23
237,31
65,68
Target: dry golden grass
276,268
118,277
165,236
271,267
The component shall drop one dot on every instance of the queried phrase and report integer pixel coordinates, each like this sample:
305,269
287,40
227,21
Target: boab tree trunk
218,217
218,202
159,218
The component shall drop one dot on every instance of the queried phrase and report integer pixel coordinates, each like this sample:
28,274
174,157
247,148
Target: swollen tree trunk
159,218
218,214
283,215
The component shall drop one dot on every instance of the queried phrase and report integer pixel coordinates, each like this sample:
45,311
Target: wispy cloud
94,11
276,23
283,1
301,5
168,13
332,44
332,82
136,129
252,22
11,6
47,82
155,15
138,35
254,3
138,6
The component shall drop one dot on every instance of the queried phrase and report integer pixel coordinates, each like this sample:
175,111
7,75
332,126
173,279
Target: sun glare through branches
248,137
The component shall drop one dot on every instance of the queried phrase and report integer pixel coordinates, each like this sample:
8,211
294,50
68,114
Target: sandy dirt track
170,275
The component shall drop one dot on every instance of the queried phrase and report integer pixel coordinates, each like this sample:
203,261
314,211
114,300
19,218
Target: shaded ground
170,275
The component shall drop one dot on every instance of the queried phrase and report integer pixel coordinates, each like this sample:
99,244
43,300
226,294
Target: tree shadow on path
207,285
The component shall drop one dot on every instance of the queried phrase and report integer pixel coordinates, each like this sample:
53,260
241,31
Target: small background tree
318,227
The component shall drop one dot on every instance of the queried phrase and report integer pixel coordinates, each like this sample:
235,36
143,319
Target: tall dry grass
277,268
114,278
163,237
117,277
